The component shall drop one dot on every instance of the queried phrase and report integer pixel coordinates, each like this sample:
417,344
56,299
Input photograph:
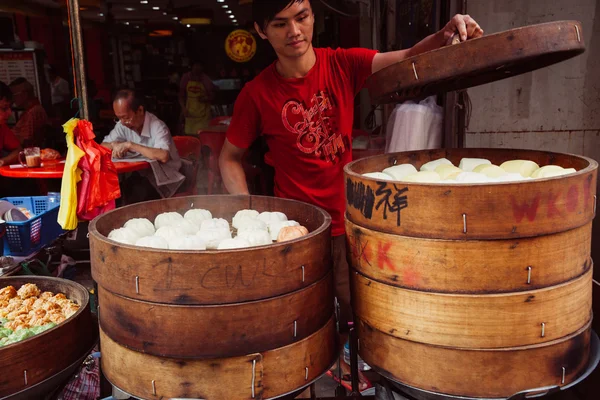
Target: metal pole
78,57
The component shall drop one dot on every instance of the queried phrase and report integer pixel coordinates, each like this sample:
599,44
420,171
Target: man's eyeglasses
124,121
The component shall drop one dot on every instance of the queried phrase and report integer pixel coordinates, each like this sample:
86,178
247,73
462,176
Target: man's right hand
119,150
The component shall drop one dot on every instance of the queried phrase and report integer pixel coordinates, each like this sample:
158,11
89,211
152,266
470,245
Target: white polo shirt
155,134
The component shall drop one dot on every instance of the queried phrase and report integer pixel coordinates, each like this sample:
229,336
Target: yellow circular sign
240,46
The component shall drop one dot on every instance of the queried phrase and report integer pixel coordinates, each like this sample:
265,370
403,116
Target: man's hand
1,162
119,150
466,27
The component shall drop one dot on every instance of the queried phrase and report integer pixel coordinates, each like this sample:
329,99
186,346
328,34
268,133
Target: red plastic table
55,171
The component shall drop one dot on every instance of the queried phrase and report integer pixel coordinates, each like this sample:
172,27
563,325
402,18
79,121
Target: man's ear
260,31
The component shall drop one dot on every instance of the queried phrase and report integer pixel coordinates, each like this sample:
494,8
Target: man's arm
210,87
232,170
23,130
466,27
11,158
108,145
120,149
152,153
112,138
12,145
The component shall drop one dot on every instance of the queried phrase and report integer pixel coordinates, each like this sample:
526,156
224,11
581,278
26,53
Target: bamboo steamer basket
245,315
270,374
452,284
30,362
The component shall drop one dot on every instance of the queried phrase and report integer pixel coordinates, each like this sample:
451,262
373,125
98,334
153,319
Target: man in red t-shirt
303,105
9,144
30,126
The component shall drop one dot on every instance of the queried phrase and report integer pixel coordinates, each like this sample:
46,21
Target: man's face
290,32
5,111
20,95
133,119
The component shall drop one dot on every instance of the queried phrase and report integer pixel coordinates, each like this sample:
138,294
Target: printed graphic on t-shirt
315,127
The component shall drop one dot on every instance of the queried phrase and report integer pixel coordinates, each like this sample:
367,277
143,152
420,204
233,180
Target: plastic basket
25,237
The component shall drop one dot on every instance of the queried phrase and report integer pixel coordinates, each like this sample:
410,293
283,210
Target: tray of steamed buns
196,229
469,170
483,193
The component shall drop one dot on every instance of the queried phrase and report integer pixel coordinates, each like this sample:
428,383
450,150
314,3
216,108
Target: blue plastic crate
25,237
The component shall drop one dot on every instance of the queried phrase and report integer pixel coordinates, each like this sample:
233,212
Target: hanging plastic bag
67,214
415,126
99,187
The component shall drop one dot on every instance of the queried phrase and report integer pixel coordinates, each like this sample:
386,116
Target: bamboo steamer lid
477,61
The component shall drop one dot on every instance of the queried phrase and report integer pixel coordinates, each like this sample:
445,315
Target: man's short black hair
28,87
264,11
5,92
135,99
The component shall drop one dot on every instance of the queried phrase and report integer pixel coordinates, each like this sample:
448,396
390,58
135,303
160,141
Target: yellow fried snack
28,312
28,290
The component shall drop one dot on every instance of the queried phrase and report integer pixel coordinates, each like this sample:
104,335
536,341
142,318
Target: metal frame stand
78,59
340,391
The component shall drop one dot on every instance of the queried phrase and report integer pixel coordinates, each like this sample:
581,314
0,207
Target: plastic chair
189,148
214,141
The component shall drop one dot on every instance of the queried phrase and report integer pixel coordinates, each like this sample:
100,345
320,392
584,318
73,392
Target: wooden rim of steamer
474,320
266,375
469,266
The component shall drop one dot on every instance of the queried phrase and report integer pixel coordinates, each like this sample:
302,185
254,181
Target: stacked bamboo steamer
475,290
228,324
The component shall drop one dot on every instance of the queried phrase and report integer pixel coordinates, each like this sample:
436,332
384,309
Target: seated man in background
9,151
139,131
33,122
9,144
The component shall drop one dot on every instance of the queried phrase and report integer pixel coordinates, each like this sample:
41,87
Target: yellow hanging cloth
67,214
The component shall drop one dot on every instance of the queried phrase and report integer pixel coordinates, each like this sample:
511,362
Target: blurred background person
196,92
60,94
9,144
33,123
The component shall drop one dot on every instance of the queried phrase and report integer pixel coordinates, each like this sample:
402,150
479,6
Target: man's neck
297,67
141,128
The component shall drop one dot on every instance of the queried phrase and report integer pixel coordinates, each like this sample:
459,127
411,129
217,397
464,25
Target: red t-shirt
307,123
8,140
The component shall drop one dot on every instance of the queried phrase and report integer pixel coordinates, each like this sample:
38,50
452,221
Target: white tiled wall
555,108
